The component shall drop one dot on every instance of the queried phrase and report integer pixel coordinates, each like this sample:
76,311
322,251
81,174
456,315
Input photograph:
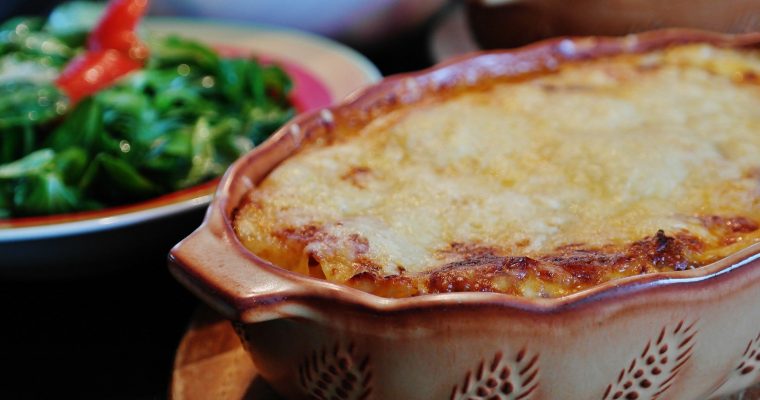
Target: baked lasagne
536,186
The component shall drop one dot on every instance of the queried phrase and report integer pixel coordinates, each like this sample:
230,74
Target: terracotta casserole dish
689,334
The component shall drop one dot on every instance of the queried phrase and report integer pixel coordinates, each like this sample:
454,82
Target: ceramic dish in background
75,244
451,35
474,25
691,334
510,23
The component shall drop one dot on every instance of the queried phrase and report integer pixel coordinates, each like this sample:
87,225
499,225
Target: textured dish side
298,328
677,342
531,20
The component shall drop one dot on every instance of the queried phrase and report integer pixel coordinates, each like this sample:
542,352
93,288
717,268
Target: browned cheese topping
538,187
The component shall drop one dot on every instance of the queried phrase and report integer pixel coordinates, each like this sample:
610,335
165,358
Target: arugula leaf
15,30
81,128
173,51
278,84
71,163
44,193
24,103
16,68
29,165
204,163
262,121
5,210
124,177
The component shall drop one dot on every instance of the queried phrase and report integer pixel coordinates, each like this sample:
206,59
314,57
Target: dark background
9,8
114,335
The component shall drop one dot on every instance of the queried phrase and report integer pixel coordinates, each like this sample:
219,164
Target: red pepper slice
94,71
113,50
116,29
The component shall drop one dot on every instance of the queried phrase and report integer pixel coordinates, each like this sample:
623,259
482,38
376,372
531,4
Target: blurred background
401,35
390,33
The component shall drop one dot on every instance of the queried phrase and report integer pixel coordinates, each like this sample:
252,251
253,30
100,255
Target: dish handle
217,268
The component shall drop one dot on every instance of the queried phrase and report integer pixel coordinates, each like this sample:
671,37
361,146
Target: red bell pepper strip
116,29
113,50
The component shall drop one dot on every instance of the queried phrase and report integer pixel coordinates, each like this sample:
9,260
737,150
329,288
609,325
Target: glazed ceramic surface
509,23
679,335
62,245
211,363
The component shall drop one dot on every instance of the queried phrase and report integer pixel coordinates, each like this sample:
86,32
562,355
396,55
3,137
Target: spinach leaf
31,164
44,193
123,177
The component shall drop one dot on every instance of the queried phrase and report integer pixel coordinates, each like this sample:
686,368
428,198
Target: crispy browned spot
479,274
552,88
728,225
752,173
363,265
648,67
750,77
729,229
359,243
302,234
357,176
663,251
466,250
586,265
523,243
572,267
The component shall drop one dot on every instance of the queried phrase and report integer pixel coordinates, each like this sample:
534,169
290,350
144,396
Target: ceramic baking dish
691,334
510,23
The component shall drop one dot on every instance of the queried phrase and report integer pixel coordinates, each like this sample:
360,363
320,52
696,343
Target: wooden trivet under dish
211,364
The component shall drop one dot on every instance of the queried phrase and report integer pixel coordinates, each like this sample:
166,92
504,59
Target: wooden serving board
211,364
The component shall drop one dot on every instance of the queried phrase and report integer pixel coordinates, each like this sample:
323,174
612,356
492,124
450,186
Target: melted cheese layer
643,163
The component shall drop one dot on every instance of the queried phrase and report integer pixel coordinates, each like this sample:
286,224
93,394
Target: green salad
176,122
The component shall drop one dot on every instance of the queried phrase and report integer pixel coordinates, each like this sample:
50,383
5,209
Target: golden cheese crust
538,187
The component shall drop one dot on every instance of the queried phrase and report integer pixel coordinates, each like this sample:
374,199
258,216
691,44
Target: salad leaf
80,128
16,67
124,177
29,165
71,163
27,103
44,194
15,30
174,52
204,162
